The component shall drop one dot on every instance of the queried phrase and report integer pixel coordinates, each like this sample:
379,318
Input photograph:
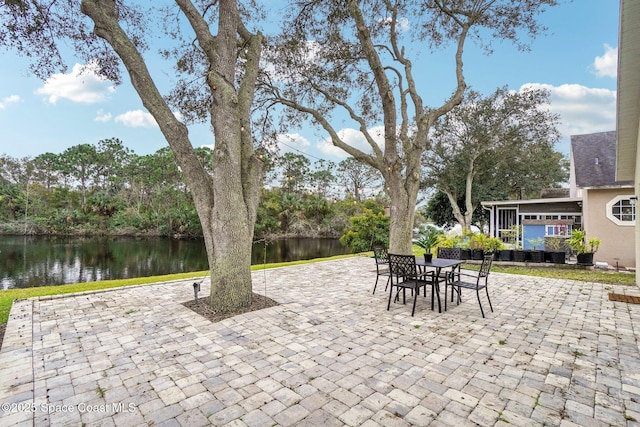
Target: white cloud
136,119
582,109
12,99
607,64
82,85
354,138
140,119
292,142
103,117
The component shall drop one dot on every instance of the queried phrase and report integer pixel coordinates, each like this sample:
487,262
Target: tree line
108,189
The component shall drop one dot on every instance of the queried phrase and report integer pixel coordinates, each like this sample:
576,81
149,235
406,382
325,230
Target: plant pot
505,255
465,254
585,259
536,256
428,257
477,254
519,255
558,257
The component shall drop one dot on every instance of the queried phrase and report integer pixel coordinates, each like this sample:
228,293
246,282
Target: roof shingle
594,158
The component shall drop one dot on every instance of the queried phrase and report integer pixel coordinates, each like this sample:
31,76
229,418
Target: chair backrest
402,266
486,266
449,253
381,255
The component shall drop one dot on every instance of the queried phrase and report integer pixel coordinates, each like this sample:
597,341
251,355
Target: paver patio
554,352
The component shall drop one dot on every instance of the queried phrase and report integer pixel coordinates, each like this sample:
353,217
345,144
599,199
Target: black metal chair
382,266
444,275
449,253
405,275
459,280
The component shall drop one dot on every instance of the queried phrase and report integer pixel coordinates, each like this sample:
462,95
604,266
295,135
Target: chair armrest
460,275
424,274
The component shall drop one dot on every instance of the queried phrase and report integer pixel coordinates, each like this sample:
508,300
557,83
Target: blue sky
576,61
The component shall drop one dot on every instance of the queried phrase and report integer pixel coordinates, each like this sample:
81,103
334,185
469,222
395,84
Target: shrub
366,231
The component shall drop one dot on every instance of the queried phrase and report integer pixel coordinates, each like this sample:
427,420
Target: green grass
569,273
8,296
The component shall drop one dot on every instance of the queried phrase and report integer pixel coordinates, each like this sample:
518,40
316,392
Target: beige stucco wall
617,241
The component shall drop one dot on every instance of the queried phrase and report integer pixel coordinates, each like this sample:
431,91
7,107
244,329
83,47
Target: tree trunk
403,192
226,203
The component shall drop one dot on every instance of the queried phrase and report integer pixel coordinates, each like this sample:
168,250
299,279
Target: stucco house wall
617,241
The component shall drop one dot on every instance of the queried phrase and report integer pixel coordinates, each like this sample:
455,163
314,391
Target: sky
575,60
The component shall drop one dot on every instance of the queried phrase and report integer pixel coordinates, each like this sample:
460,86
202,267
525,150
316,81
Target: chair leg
376,284
446,285
437,289
487,290
479,303
390,294
387,285
416,294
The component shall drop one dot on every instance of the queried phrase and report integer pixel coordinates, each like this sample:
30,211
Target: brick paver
554,352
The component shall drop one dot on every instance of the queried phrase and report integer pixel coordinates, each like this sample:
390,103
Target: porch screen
507,220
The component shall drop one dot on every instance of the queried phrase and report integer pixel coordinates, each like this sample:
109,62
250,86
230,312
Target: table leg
436,285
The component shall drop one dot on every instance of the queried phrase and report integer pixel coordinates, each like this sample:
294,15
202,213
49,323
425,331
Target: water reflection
42,261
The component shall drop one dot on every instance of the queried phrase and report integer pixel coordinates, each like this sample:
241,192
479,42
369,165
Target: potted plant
583,247
494,246
427,240
555,247
477,244
448,246
519,255
535,254
512,235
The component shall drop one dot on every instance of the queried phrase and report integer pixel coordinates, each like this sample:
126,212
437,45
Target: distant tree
353,59
112,158
357,177
80,163
439,210
294,172
322,179
488,147
47,168
14,170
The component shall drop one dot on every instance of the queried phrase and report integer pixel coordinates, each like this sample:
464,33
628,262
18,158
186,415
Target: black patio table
439,264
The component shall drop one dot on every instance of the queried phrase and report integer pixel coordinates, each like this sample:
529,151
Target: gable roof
594,160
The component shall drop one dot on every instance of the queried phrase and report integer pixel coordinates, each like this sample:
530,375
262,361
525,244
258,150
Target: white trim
532,201
615,220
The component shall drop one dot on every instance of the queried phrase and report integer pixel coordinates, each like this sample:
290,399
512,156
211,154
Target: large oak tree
219,60
495,147
355,59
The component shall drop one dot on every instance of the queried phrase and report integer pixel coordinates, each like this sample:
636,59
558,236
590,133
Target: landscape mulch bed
202,307
624,298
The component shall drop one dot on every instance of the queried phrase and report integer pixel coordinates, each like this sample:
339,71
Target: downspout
492,228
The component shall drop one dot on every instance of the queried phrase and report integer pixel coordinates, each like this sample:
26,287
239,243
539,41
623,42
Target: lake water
30,261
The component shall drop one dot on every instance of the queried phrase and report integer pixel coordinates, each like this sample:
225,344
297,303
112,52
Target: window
621,210
558,230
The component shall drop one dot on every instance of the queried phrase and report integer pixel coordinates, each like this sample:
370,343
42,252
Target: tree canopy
354,59
494,148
